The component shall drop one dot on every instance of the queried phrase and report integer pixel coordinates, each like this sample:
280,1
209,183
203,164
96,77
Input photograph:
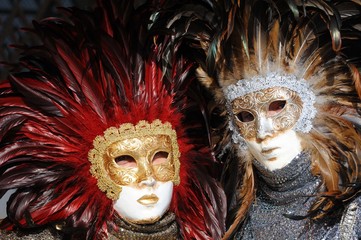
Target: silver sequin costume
287,193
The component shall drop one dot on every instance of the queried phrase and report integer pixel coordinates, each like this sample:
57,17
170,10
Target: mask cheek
123,177
164,172
119,176
255,149
129,208
247,130
288,118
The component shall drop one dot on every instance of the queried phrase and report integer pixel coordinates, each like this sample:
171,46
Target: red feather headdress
91,73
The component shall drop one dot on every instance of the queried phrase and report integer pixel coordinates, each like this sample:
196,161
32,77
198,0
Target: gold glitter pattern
126,141
45,234
164,229
258,103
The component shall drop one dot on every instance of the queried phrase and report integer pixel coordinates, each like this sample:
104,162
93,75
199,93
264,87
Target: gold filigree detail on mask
133,140
137,159
257,104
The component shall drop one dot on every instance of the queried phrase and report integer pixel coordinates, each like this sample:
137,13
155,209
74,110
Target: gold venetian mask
280,105
130,154
134,160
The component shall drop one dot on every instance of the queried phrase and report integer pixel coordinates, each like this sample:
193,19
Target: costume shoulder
350,225
45,234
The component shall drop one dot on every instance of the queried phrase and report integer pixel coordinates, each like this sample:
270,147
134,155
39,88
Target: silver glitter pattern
348,222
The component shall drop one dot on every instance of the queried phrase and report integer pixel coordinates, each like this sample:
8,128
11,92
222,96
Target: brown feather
246,197
356,78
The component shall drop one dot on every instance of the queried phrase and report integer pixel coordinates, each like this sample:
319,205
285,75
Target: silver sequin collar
284,185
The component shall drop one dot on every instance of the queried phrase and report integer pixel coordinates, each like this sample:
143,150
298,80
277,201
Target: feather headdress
93,72
317,41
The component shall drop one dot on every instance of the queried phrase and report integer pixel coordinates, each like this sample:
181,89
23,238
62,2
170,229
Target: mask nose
149,182
264,128
145,170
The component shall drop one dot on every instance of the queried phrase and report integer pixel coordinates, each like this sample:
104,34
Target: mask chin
144,205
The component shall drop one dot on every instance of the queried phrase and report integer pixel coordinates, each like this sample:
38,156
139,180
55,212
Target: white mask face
145,202
276,151
265,120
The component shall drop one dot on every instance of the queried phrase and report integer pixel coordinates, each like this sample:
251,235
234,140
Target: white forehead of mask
285,147
130,209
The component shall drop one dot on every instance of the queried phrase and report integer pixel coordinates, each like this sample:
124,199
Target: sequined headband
277,79
127,131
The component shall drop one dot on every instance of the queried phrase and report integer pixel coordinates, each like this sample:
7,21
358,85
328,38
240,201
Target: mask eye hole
245,116
275,107
125,161
160,157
